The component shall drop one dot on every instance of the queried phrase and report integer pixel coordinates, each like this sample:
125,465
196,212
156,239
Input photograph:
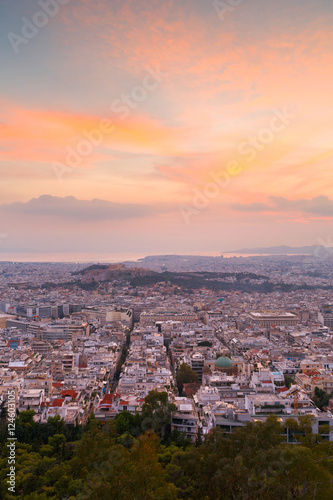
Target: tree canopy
185,375
124,461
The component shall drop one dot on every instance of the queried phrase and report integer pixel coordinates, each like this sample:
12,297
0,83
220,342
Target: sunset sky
165,126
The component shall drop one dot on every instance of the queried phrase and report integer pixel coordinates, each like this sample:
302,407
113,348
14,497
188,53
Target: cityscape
166,250
229,341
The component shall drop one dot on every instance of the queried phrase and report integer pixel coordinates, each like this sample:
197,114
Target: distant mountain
283,250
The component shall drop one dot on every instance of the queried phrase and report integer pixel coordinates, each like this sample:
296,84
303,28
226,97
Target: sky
158,127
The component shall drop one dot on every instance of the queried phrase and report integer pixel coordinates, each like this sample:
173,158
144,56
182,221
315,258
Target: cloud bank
72,208
320,205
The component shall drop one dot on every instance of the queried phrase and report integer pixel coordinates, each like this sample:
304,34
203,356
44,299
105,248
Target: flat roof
185,407
272,314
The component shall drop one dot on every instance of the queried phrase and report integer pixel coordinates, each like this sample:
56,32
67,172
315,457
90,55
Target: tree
3,412
205,343
321,398
125,474
302,475
26,417
293,428
288,380
185,375
199,437
156,413
57,443
125,422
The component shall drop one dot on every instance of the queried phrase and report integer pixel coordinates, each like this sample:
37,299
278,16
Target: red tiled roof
58,402
69,392
310,373
108,397
282,389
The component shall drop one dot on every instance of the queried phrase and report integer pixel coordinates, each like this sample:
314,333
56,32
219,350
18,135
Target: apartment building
269,319
185,419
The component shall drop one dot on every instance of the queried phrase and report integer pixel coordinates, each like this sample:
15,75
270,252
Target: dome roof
223,362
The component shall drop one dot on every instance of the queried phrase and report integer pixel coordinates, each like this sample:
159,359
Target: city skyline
175,127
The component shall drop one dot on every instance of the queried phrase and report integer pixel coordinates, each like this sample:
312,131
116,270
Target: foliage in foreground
123,462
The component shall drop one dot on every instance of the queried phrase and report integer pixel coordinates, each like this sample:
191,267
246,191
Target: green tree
302,475
321,398
126,475
57,443
292,427
288,380
3,412
156,413
185,375
126,422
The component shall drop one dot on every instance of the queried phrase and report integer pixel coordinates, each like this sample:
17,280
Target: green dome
223,362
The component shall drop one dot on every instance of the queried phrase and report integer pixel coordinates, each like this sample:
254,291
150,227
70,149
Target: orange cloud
43,136
222,85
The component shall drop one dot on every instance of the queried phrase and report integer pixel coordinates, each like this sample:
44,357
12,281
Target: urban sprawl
254,333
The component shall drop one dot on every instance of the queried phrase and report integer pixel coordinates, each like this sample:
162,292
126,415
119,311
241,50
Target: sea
99,257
